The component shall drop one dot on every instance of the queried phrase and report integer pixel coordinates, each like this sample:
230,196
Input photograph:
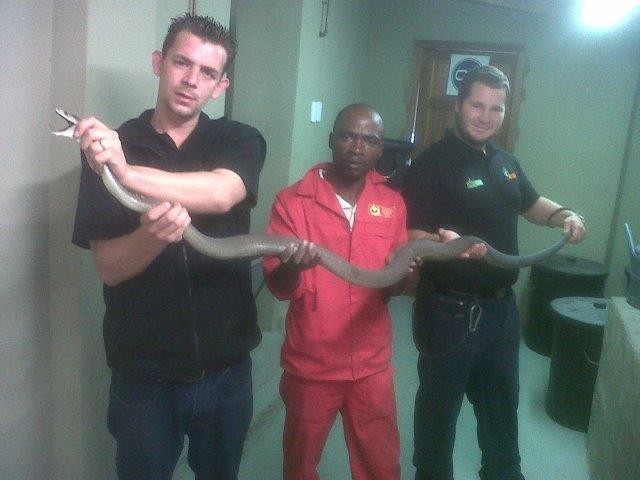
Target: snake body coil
252,245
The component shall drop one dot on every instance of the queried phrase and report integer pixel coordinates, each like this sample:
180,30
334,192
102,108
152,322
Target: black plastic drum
558,276
575,354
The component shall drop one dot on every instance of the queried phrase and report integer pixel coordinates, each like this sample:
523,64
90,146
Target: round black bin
558,276
575,353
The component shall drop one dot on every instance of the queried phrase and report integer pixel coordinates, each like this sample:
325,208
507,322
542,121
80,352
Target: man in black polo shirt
178,326
466,323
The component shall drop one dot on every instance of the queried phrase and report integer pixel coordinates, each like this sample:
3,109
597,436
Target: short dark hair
207,29
488,75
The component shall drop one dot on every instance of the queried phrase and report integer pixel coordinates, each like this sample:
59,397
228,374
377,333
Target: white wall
25,400
331,69
87,56
262,90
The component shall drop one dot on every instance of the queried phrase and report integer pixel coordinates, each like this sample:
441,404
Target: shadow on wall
26,332
79,375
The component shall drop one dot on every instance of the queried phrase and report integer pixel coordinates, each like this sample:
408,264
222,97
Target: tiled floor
549,451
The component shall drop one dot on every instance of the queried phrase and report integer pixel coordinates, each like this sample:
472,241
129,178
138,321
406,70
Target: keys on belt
502,292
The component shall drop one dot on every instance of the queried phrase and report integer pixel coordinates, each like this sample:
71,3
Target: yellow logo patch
380,211
510,175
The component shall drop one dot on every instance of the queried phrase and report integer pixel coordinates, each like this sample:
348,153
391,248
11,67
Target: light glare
606,13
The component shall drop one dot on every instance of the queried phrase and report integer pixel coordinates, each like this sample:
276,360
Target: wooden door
435,109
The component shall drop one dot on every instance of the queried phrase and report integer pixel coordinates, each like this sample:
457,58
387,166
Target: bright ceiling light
606,13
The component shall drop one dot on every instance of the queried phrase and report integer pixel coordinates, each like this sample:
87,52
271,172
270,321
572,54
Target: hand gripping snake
255,245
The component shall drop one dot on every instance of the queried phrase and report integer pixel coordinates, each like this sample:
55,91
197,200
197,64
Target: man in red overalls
337,351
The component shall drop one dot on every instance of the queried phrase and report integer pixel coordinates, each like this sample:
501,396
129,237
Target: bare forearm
120,259
539,212
214,191
547,212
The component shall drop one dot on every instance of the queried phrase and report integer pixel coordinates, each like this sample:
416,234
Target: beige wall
331,69
25,151
283,66
264,82
88,57
627,203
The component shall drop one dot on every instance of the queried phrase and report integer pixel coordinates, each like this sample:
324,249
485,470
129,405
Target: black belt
210,369
501,292
213,368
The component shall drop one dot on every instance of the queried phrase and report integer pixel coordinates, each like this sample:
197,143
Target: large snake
255,245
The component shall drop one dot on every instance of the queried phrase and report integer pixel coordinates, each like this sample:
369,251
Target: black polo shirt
185,314
456,187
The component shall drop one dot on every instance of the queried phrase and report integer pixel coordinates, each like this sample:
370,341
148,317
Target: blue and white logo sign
459,66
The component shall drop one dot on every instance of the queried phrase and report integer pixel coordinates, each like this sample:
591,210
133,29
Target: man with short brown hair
178,327
466,322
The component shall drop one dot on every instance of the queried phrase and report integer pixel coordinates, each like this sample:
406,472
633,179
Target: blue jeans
468,345
149,423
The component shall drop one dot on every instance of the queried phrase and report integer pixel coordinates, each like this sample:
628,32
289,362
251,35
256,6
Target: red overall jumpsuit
337,350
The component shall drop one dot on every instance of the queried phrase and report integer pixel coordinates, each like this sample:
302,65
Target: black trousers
467,346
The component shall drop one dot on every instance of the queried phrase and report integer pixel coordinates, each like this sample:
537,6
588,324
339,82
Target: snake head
71,119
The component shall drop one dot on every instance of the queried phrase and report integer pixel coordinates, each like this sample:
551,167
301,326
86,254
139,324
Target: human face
479,117
356,143
190,74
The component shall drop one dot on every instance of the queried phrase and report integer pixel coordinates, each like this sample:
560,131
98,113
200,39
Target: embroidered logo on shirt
380,211
510,175
475,183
